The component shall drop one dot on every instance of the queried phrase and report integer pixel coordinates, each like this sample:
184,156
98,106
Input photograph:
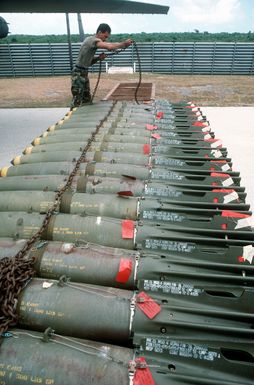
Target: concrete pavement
19,126
235,127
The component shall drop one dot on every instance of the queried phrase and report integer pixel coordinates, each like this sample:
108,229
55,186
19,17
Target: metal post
80,28
69,40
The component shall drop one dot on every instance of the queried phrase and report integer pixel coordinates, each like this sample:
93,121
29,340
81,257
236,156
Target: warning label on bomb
160,160
175,348
162,192
165,216
166,175
163,244
172,288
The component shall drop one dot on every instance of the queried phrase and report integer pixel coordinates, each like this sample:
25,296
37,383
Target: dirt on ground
205,90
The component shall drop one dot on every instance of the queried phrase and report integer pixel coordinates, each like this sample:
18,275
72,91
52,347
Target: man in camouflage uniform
80,85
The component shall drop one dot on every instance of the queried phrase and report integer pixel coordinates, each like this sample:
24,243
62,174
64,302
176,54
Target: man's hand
102,56
128,42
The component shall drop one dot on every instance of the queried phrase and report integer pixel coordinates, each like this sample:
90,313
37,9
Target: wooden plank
126,91
110,92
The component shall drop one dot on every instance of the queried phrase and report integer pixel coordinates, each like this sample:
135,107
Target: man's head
103,31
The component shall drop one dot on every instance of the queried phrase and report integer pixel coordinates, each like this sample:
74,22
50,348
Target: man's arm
111,46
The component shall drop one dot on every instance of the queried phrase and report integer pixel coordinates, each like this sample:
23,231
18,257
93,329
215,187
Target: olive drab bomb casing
174,359
93,263
47,358
140,238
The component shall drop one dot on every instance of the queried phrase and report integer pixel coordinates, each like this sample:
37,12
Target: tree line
139,37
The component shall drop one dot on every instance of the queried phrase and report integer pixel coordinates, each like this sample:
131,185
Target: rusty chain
16,271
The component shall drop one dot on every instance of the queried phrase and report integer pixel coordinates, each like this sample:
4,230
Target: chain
17,271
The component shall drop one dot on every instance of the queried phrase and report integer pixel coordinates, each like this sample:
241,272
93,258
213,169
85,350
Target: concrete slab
235,126
19,126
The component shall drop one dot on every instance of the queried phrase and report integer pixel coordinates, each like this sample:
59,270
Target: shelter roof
83,6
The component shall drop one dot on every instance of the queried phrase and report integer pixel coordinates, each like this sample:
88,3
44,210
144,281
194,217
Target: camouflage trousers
80,88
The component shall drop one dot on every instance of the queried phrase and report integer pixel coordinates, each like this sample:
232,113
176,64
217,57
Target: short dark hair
103,28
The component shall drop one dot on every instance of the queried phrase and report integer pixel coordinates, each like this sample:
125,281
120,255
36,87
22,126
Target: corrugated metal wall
168,58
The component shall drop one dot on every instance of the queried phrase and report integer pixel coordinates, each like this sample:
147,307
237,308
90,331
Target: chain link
17,271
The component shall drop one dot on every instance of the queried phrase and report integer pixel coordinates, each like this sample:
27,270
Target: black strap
81,68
